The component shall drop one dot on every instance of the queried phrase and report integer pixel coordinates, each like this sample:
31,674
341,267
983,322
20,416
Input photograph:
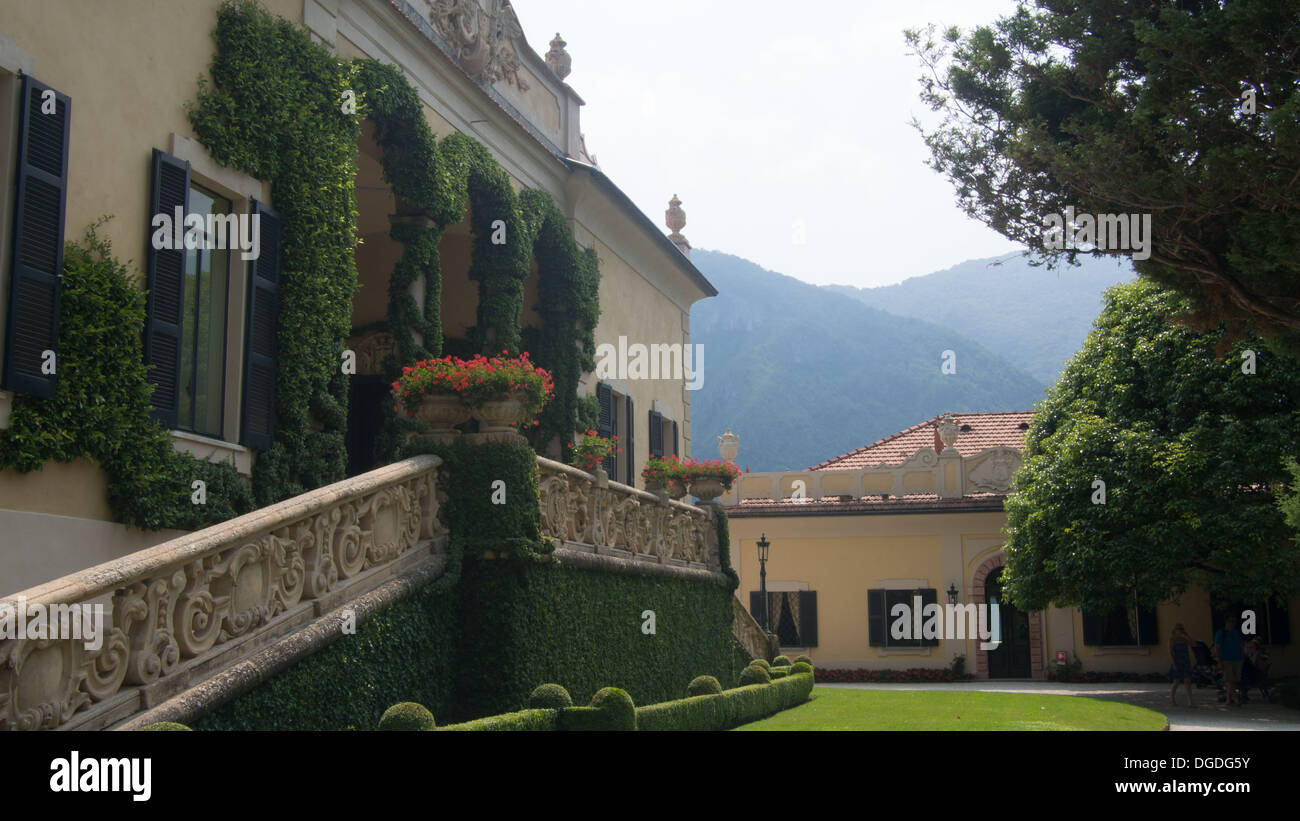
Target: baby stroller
1203,672
1254,670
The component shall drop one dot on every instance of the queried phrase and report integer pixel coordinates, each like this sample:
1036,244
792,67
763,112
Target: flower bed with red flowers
1100,677
689,471
914,674
477,380
592,449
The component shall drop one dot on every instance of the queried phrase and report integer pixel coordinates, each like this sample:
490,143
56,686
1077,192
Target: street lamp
952,593
763,546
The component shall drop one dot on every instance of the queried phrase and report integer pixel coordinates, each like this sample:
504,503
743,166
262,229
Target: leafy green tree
1187,110
1191,449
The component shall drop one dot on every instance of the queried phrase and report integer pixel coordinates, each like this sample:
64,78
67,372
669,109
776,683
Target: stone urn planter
676,490
706,489
442,412
499,419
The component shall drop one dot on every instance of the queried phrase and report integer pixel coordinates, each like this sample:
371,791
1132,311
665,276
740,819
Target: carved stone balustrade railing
184,610
585,513
948,475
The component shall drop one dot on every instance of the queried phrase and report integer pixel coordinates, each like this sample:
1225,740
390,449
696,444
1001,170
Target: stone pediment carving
923,458
992,469
481,36
371,348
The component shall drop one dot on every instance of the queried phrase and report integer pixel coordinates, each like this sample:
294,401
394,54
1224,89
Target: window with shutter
165,280
629,445
877,624
605,424
808,618
258,411
675,439
656,434
39,214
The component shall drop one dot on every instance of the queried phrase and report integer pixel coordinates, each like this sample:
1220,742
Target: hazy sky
759,113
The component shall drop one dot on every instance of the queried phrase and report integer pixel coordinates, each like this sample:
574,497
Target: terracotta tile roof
987,430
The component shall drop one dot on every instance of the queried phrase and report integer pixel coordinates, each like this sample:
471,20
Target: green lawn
842,709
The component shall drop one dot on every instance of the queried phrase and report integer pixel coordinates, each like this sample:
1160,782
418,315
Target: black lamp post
952,593
763,546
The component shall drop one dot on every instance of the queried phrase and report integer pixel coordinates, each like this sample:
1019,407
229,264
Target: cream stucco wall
129,67
842,556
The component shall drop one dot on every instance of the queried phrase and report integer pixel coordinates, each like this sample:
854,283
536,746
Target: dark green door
1011,659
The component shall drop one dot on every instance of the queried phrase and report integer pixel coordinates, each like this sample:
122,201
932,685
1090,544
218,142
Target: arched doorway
1012,657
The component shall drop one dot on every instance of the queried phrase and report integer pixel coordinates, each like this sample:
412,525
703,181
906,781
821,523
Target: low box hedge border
612,709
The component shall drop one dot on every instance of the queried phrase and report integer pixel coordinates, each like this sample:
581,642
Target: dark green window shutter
1092,627
605,423
1148,628
807,618
674,438
656,434
628,447
40,206
930,596
257,425
165,279
876,627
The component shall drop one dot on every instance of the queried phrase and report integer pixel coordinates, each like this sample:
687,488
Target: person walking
1180,671
1227,647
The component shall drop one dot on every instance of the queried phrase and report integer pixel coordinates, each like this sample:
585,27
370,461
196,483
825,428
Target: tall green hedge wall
477,641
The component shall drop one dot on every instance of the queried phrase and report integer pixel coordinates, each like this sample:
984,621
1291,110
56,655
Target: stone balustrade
588,513
948,476
180,612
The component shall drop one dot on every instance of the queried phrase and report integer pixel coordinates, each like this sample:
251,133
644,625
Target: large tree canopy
1187,110
1192,453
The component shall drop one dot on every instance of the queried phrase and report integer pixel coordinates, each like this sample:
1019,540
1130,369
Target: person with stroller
1227,646
1180,671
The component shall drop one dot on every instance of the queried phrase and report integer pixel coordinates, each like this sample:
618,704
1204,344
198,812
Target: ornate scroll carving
371,348
191,601
994,470
482,39
616,517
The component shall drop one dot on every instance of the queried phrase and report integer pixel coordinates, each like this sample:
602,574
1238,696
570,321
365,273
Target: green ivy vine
276,109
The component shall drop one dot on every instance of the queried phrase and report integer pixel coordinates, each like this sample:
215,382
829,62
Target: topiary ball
805,659
549,697
406,717
753,674
166,725
618,707
801,667
781,661
703,686
761,663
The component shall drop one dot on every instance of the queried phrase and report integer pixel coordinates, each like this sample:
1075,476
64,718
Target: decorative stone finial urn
728,446
558,59
948,430
675,219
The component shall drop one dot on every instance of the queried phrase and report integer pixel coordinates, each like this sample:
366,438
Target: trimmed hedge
781,661
611,709
731,708
164,726
764,663
550,697
523,720
703,686
406,717
753,674
778,672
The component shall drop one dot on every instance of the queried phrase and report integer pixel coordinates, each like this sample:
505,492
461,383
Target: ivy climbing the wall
277,109
100,409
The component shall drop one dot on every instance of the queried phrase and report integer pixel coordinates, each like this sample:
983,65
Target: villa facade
917,516
94,122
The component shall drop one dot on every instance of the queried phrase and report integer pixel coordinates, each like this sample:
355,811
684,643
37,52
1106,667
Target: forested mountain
802,373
